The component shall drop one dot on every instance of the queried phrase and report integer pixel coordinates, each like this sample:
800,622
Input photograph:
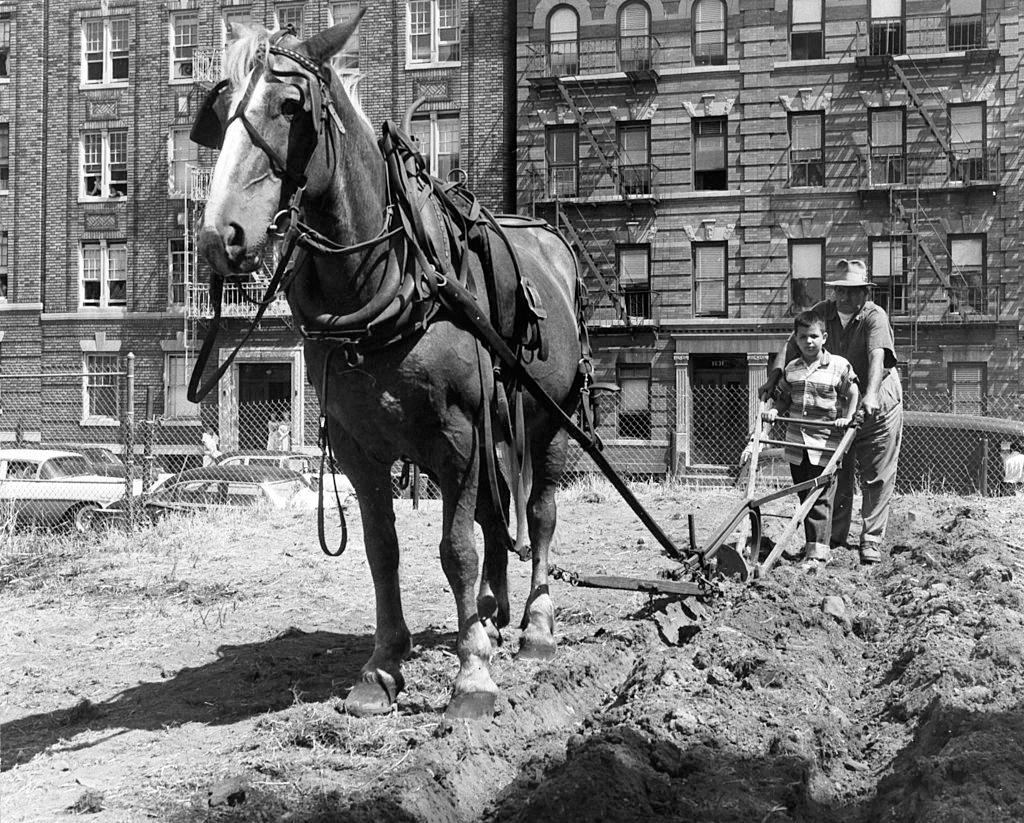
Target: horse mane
248,50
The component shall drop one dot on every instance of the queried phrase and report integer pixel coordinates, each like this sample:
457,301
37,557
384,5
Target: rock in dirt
229,792
834,606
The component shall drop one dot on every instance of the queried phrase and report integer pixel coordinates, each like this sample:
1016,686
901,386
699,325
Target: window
634,268
968,274
807,149
967,142
968,387
232,18
966,28
5,157
104,164
104,274
563,42
709,280
5,46
179,264
176,403
886,27
562,155
709,32
807,33
5,267
292,14
889,267
347,60
709,154
634,158
101,395
433,31
105,50
437,138
183,153
634,38
807,268
184,37
634,401
887,144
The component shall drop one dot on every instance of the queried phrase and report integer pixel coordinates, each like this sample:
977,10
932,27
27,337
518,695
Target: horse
400,371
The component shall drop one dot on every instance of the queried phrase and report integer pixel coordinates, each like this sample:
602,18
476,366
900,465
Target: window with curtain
709,154
967,387
634,38
807,149
709,280
437,137
562,154
807,30
634,158
634,401
103,274
967,274
887,145
889,266
184,38
183,153
634,269
563,42
886,31
709,27
807,269
967,142
176,375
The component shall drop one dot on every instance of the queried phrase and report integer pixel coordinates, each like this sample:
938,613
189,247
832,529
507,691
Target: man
860,331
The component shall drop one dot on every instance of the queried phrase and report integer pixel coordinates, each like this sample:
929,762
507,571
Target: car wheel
83,518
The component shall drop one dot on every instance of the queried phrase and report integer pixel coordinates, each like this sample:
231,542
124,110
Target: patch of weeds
323,727
89,802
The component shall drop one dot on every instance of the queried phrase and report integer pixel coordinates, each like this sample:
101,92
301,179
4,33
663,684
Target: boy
820,388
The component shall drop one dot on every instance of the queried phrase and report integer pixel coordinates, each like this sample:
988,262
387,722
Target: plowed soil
196,672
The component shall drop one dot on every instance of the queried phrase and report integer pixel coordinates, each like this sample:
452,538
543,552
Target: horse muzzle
225,254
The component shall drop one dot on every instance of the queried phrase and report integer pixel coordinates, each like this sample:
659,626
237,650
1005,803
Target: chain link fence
962,445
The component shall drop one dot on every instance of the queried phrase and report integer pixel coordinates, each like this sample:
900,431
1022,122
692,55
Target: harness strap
327,450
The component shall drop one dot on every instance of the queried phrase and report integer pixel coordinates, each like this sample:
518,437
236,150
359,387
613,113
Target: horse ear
327,43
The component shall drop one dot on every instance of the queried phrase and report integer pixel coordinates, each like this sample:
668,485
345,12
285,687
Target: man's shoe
818,554
869,555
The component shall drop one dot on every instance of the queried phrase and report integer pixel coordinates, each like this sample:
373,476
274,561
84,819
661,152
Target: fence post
129,439
983,470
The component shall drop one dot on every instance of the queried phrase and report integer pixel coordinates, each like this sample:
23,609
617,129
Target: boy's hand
770,415
748,452
841,423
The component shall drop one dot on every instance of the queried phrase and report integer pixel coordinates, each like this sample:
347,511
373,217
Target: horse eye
289,107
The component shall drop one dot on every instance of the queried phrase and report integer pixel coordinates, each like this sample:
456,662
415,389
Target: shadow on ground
243,681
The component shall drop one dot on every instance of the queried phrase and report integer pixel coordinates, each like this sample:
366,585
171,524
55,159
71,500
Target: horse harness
422,278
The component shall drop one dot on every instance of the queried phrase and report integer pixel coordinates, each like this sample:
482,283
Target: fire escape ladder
919,104
921,228
608,162
591,264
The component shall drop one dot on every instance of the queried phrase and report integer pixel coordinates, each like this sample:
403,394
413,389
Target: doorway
720,403
264,406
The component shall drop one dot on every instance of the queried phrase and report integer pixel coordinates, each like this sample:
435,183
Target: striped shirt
815,391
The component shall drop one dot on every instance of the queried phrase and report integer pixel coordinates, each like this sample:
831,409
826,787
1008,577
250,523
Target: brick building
100,191
712,161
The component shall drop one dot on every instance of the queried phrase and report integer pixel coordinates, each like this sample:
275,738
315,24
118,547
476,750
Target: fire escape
941,167
605,197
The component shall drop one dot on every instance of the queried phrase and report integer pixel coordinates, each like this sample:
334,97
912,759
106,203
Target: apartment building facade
101,192
713,160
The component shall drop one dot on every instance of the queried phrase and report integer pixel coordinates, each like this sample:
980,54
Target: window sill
182,422
727,68
114,84
180,81
451,64
99,421
82,199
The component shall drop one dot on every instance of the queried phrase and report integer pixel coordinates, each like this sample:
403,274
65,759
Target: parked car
307,465
53,487
101,460
216,486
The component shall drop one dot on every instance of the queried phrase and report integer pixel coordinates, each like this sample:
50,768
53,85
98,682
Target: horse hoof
369,698
471,706
536,650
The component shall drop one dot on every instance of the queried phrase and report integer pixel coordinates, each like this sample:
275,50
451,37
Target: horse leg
381,679
474,692
492,599
538,624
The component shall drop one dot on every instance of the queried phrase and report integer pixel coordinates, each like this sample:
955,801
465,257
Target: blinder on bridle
211,121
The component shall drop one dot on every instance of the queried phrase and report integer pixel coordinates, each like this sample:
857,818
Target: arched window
563,41
635,50
709,32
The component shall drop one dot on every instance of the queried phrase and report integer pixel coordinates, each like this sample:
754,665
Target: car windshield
104,457
73,465
285,490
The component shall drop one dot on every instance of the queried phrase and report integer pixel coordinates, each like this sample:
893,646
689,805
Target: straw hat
851,274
